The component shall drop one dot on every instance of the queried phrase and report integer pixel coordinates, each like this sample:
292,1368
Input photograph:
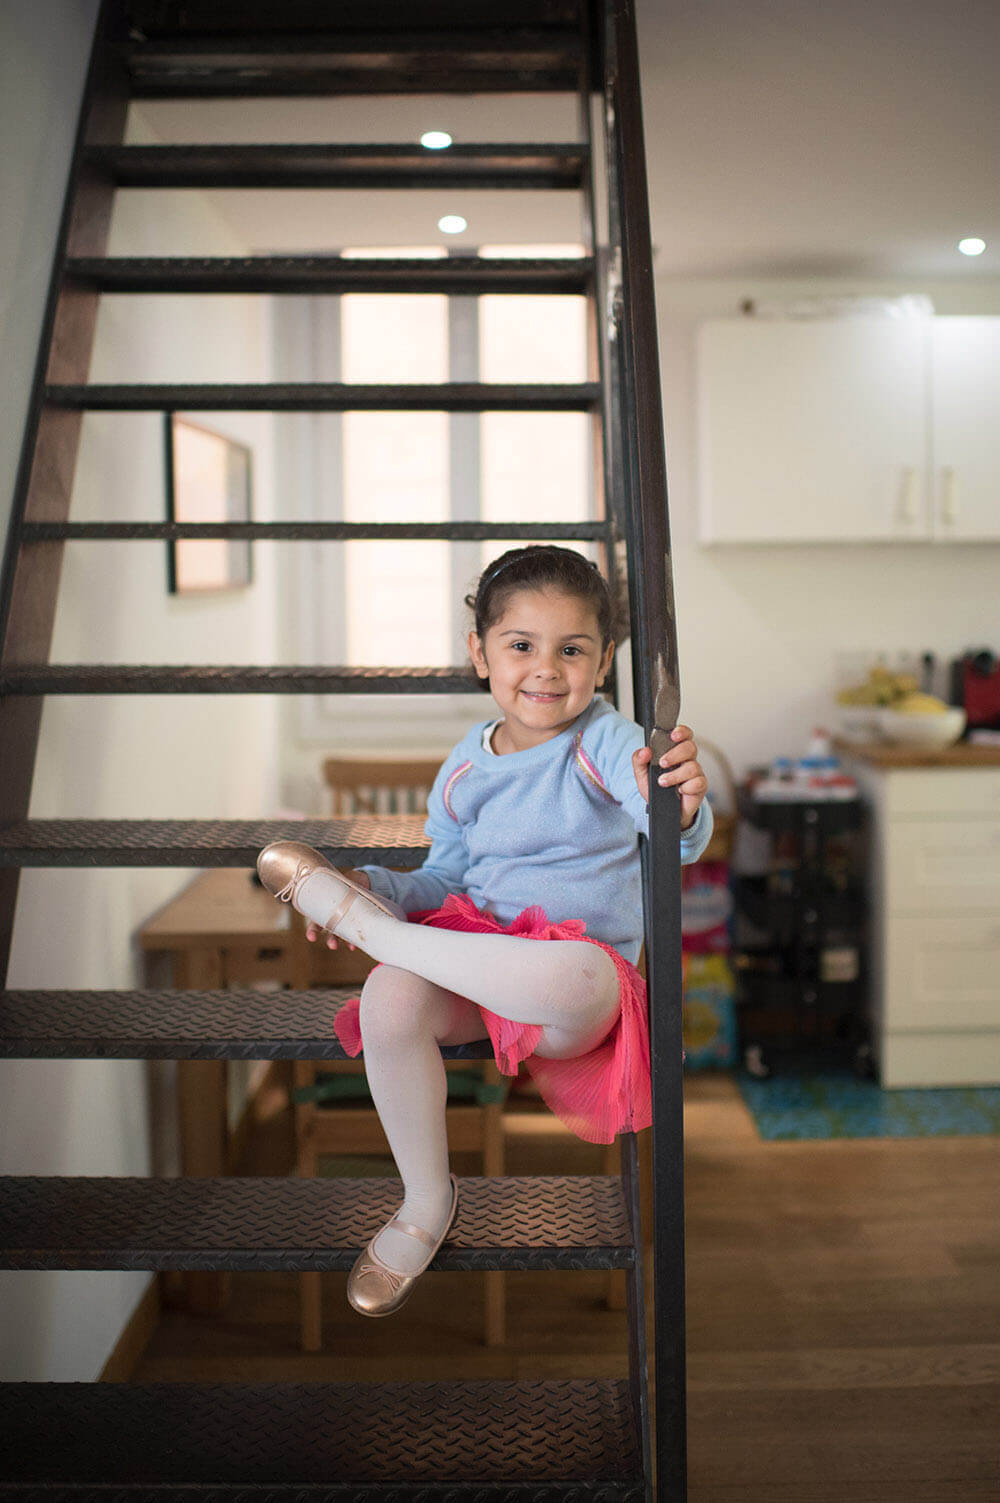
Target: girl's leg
421,998
404,1021
564,984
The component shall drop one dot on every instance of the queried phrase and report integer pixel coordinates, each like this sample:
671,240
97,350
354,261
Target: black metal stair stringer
43,486
636,421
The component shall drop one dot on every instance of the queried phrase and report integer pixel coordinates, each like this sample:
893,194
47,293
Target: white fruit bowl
932,731
858,724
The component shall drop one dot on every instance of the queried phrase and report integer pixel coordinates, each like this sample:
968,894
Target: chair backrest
380,785
370,784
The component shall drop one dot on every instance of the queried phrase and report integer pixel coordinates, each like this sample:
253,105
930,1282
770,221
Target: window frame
307,334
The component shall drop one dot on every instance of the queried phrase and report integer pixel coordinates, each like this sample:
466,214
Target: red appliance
975,686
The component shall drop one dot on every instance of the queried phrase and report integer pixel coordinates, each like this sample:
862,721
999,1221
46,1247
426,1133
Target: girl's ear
606,660
476,654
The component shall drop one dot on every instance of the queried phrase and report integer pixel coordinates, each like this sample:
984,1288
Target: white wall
761,627
129,757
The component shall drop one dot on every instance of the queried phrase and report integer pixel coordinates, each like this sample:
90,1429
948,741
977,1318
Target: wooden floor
843,1312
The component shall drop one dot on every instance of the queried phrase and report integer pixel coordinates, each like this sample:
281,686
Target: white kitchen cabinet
944,862
813,430
849,430
948,966
934,944
965,407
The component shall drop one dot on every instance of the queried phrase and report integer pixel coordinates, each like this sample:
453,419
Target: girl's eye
521,646
572,651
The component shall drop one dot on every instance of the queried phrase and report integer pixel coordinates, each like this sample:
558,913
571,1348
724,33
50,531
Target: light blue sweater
555,825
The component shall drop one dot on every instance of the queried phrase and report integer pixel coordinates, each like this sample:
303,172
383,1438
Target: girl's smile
544,659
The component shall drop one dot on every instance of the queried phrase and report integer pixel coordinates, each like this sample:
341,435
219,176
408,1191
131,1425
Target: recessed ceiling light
452,224
972,246
435,140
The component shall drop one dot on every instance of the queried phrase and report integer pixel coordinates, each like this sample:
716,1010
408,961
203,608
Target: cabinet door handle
949,508
907,494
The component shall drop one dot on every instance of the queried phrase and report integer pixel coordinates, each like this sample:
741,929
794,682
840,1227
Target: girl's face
544,660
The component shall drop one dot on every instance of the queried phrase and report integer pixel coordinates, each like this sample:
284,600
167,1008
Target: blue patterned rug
836,1105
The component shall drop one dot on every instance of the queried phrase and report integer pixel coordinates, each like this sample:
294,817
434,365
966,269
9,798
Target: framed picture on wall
209,479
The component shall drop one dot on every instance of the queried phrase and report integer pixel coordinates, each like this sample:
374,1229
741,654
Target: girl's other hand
681,771
313,931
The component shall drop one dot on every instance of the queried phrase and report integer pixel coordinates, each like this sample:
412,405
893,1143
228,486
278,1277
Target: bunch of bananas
894,691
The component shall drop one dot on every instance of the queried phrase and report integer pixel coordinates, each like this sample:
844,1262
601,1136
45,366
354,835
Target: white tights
421,997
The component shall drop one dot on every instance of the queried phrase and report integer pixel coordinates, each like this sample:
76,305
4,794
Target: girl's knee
395,1004
588,975
598,966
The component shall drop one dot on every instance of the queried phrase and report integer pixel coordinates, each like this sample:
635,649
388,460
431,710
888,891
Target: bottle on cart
820,770
783,868
839,959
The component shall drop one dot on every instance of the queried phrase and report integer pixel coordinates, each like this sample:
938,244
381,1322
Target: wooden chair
380,785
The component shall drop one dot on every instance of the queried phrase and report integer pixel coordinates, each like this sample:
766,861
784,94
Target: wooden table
223,930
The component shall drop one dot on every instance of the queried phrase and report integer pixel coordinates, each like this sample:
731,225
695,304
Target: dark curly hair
539,567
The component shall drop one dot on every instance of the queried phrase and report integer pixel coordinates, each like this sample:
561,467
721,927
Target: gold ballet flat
285,866
373,1288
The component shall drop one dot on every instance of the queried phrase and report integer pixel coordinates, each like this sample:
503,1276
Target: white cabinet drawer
942,864
942,791
943,973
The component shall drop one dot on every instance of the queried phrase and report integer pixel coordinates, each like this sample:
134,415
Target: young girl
533,821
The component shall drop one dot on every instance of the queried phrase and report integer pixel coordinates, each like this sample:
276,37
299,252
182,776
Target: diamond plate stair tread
463,60
313,531
386,840
332,397
550,166
456,276
172,1024
571,1222
447,1439
204,678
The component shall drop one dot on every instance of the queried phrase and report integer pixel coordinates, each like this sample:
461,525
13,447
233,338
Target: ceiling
822,137
848,138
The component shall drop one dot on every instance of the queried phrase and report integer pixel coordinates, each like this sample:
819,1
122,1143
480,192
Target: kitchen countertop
884,754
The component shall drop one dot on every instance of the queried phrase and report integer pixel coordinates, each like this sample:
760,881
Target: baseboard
134,1339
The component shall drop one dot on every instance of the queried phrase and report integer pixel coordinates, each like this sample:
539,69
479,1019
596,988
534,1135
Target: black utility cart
799,950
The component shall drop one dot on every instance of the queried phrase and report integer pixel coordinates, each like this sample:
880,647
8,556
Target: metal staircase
433,1441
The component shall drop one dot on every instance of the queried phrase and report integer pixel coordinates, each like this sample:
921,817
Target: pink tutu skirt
598,1094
